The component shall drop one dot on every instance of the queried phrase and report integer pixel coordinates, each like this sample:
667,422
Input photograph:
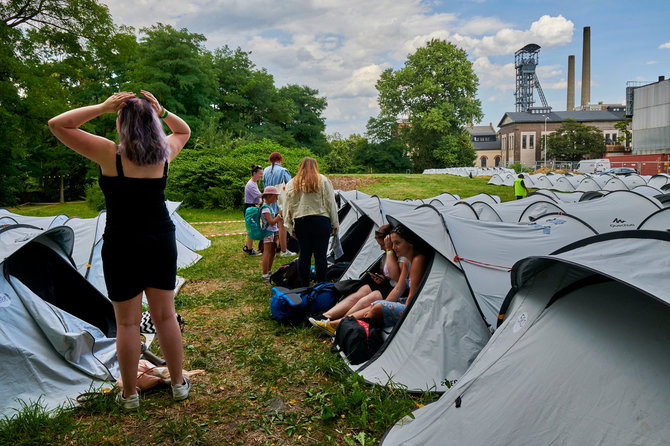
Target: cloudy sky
340,47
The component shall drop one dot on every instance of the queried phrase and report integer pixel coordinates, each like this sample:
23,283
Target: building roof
480,130
559,116
486,145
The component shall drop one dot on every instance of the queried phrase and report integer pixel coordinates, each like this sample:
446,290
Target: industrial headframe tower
525,61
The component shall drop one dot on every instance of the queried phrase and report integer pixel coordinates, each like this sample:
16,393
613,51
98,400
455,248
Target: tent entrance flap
60,285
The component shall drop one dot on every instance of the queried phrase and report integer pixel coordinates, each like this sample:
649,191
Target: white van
593,166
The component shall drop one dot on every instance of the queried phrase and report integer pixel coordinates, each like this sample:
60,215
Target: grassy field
263,383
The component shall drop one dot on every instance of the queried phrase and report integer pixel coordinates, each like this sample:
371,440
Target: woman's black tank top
135,206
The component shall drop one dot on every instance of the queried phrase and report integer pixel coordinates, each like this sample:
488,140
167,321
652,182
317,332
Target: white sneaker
130,403
288,253
180,391
266,277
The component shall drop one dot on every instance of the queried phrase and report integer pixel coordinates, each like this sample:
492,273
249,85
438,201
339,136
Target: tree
54,55
624,127
436,91
307,126
340,159
175,66
573,140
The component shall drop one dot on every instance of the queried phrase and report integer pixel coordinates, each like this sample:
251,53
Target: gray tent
617,211
508,211
445,325
442,331
659,180
57,331
186,234
487,250
580,359
658,221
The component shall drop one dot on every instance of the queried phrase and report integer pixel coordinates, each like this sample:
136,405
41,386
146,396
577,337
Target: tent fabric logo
520,322
5,301
620,223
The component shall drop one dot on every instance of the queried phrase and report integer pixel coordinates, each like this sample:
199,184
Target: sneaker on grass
180,391
324,325
130,403
288,253
251,252
266,277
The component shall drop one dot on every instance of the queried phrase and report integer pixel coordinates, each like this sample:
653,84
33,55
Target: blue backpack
252,220
294,305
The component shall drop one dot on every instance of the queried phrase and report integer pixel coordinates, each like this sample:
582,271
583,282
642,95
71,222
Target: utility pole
545,141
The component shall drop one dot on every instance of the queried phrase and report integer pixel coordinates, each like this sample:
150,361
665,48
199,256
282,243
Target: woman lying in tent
389,311
381,283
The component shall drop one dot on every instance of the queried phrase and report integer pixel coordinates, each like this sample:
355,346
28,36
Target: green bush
212,178
95,199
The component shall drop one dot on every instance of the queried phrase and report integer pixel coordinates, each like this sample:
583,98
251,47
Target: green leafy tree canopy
435,91
572,141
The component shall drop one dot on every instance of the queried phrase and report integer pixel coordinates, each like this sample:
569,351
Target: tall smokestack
571,83
586,67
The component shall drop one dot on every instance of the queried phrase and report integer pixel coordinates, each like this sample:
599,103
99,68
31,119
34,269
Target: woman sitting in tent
390,310
381,283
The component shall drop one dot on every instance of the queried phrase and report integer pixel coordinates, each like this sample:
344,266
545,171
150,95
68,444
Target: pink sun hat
270,190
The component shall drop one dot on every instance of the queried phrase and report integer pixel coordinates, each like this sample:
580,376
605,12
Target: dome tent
580,358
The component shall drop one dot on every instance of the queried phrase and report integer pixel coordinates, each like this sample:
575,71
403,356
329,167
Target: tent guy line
215,222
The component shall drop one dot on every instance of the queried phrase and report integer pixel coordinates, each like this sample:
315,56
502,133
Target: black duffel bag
357,339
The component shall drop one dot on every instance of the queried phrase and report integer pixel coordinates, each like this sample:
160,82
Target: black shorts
133,263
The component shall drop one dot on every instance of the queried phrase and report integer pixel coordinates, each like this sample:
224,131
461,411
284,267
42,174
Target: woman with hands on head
139,250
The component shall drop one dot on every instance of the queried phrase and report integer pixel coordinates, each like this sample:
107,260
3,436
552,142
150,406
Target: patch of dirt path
351,183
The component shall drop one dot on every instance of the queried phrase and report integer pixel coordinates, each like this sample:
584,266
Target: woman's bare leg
374,313
161,307
128,318
343,306
366,301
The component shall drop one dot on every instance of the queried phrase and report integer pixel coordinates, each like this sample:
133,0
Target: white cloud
547,32
664,45
340,47
652,62
482,25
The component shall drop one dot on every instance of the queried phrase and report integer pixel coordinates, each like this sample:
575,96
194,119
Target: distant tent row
471,171
457,305
57,331
576,182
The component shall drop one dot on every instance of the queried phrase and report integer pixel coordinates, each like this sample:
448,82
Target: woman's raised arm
181,132
65,127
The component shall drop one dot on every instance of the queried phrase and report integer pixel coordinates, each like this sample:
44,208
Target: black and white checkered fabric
147,325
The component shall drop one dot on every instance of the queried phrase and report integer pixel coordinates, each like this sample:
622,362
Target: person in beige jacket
311,217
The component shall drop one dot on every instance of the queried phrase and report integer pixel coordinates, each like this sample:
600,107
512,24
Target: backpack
286,275
322,297
252,220
294,305
288,305
357,339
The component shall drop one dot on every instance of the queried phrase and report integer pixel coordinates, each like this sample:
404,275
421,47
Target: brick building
521,133
487,145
